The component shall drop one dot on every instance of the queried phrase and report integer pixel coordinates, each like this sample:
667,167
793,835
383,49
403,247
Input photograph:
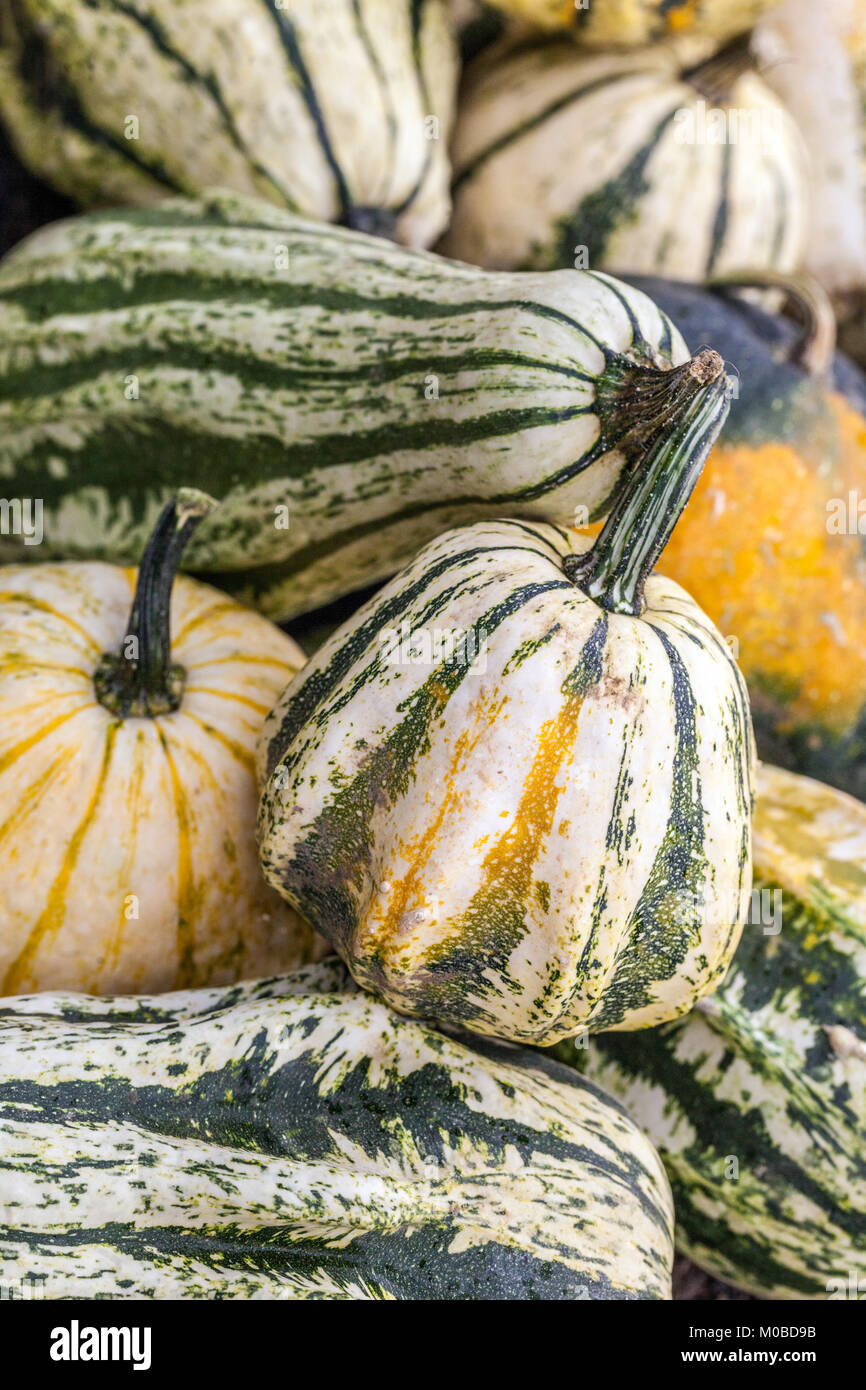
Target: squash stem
656,490
807,301
714,77
140,679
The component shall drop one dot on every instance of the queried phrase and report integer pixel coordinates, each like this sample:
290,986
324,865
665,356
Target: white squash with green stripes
293,1139
346,400
514,790
338,109
757,1100
639,162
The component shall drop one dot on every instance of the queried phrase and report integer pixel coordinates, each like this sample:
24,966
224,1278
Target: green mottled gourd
513,791
643,162
757,1100
345,400
292,1139
330,108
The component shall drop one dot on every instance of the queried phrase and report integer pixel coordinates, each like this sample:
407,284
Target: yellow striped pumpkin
127,793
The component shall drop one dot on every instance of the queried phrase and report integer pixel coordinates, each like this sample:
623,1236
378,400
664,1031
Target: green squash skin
291,1138
769,1072
300,397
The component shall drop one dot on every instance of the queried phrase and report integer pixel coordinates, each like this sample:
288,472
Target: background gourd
117,103
127,796
772,542
757,1100
625,162
291,1139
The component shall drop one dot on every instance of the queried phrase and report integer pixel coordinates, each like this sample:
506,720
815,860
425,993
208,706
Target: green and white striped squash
129,709
346,400
615,161
292,1139
513,792
335,109
757,1100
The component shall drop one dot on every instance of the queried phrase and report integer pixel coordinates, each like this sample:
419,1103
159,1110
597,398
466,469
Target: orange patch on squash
753,548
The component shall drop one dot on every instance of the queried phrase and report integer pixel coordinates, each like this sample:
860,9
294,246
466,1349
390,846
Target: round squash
643,162
293,1139
629,22
757,1100
122,103
514,790
127,853
773,542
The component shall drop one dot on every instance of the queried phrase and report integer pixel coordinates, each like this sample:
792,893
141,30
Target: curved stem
140,679
715,76
650,503
807,301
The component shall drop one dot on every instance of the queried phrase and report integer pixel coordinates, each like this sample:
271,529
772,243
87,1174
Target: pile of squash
446,940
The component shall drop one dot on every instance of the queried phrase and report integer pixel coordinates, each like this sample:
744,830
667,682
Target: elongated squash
757,1100
514,790
129,709
346,400
330,108
644,162
772,543
292,1139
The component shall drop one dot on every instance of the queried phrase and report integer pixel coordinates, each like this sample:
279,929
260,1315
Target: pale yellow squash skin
614,161
127,857
312,104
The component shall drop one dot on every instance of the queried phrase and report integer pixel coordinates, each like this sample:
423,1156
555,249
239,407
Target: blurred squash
659,161
773,542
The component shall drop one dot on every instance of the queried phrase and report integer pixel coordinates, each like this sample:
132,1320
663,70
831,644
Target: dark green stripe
51,91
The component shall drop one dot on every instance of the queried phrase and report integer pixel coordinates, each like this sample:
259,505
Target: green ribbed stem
141,678
653,495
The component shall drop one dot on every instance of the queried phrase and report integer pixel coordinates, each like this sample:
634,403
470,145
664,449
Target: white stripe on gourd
542,825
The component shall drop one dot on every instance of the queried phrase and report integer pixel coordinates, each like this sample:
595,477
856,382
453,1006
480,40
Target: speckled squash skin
293,1139
538,827
769,1073
321,106
755,545
613,161
127,852
346,400
630,22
